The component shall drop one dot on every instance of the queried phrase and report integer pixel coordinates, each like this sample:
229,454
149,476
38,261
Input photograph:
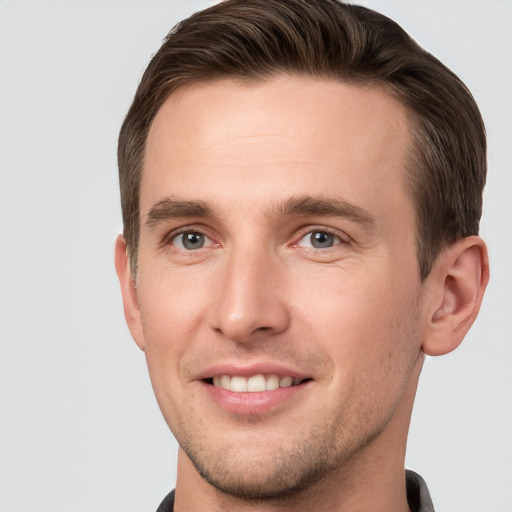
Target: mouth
257,383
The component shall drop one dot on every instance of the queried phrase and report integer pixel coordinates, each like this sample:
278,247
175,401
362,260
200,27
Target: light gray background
79,427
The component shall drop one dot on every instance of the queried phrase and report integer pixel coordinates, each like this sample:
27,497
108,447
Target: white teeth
272,382
285,382
256,383
225,381
238,384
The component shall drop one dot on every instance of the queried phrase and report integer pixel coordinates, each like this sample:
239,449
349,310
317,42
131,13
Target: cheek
171,305
345,305
374,344
172,308
364,322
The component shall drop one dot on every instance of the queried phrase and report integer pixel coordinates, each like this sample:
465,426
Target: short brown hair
257,39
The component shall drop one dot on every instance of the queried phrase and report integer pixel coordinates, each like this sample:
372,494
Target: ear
458,282
128,292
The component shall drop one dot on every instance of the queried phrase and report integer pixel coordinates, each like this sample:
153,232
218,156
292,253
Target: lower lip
256,403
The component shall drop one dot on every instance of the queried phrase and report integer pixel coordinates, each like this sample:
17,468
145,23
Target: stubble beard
325,451
287,472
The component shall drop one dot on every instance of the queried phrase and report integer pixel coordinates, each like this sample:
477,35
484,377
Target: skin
225,161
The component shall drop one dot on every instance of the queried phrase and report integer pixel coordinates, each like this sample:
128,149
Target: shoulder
167,504
418,495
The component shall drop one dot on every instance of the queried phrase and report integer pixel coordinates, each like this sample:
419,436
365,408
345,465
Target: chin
278,473
277,479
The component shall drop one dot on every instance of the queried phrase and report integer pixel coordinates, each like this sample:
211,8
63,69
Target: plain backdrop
80,430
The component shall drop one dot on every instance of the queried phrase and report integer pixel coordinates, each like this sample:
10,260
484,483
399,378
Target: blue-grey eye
319,240
189,241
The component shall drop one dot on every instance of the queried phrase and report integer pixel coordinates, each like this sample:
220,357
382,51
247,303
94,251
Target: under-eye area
255,383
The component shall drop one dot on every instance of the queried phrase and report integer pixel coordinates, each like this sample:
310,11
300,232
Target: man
301,190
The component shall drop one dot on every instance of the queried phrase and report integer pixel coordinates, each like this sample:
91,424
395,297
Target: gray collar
418,496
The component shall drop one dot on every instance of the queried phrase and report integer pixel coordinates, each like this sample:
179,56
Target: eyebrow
169,208
325,207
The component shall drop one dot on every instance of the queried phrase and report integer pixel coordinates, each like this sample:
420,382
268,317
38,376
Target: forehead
286,135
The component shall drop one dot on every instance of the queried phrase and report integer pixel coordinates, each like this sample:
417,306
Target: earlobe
128,292
459,277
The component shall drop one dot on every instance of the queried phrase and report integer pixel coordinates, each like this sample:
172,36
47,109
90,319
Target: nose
251,301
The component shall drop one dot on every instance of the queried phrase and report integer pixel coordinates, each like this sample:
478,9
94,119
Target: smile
254,384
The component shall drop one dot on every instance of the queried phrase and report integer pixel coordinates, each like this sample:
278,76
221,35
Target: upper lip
248,370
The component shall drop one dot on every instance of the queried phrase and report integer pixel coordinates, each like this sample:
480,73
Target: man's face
277,254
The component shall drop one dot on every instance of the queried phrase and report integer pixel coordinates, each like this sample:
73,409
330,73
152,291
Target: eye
319,240
190,241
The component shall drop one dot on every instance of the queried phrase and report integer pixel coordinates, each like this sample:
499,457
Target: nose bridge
250,301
